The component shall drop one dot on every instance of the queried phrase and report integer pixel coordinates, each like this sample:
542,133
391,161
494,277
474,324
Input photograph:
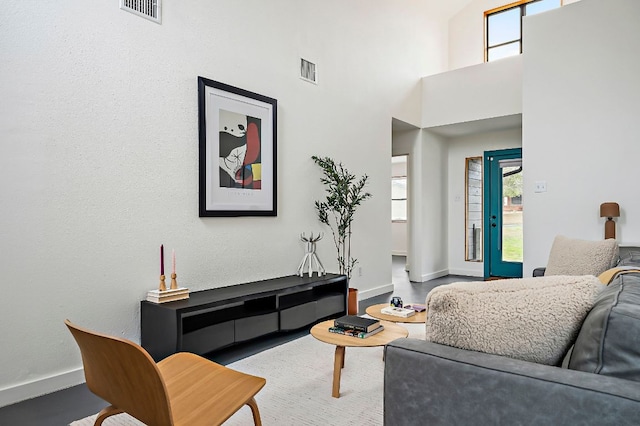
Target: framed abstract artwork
237,151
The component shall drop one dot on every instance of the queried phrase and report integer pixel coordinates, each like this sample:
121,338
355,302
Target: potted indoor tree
344,193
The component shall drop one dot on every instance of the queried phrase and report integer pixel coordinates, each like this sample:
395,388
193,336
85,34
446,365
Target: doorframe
487,202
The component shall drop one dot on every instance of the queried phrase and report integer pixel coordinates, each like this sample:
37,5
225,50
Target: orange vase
352,306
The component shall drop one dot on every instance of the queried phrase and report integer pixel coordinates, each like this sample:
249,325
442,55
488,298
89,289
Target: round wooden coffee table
374,311
321,332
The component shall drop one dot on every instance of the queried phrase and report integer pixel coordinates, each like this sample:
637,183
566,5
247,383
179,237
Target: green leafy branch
344,193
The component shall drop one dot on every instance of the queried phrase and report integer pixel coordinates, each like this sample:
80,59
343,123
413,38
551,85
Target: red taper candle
162,259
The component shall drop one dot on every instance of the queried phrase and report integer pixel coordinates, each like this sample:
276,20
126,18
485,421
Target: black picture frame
238,151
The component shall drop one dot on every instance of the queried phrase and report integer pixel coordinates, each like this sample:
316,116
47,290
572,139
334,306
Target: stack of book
171,295
398,312
355,326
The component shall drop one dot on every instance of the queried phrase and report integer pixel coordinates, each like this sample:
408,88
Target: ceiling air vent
308,71
149,9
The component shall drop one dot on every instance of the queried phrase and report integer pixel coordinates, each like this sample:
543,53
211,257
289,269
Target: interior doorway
405,140
503,206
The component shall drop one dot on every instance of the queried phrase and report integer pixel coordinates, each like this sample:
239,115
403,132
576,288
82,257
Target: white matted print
237,151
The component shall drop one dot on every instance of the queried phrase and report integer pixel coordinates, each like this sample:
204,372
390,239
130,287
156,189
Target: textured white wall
459,148
99,152
580,123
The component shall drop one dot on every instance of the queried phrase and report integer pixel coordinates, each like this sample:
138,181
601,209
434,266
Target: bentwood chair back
183,389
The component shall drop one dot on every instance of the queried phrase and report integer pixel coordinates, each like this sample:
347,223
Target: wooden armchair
182,389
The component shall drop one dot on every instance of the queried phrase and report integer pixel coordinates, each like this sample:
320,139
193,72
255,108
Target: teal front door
503,243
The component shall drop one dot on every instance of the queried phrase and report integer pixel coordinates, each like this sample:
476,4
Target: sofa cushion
580,257
609,340
533,319
631,258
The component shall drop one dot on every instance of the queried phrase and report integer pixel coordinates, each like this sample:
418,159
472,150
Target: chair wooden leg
254,410
106,412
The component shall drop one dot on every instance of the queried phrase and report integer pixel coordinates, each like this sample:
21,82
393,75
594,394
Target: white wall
460,148
484,91
99,153
466,32
427,256
399,238
427,229
580,123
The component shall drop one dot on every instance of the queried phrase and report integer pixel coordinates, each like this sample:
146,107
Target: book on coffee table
357,323
416,307
355,333
398,312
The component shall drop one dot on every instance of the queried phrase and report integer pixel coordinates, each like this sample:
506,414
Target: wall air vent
308,71
150,9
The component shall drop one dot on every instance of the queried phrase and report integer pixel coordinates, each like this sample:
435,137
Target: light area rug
299,381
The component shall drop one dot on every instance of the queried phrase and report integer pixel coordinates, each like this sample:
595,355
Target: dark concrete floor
62,407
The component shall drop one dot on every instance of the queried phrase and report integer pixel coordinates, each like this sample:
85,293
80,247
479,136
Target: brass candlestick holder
162,286
174,283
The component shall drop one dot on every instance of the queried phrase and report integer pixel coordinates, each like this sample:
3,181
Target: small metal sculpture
396,302
310,255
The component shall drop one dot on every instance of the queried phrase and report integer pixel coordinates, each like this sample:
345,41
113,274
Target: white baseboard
434,275
467,272
373,292
28,390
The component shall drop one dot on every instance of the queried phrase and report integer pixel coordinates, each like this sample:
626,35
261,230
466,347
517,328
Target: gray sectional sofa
434,384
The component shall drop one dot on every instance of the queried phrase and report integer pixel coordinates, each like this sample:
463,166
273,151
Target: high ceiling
447,8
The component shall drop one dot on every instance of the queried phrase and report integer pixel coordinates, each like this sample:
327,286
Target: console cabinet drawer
256,326
298,316
331,305
209,338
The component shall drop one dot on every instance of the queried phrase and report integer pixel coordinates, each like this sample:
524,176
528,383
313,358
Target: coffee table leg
338,364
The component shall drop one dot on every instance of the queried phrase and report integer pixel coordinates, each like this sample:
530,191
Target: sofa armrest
442,385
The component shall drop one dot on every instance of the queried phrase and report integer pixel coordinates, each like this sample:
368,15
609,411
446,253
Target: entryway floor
409,291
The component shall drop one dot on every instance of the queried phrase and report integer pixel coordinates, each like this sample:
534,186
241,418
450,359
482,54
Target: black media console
214,319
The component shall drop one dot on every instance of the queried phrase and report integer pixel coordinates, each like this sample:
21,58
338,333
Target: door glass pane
503,26
512,236
541,6
504,51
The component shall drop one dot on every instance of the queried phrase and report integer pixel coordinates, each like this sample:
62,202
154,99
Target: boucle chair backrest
580,257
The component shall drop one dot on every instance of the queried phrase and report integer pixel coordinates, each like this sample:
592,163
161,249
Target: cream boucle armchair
579,257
